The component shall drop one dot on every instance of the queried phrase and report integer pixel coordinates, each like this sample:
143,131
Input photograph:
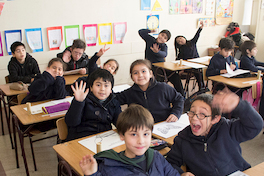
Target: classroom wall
48,13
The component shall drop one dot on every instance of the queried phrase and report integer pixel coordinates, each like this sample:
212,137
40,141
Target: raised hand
88,165
66,57
155,48
79,91
102,51
202,24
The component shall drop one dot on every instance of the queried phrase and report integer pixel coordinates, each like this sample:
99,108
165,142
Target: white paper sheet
36,109
11,38
235,73
34,40
105,33
120,31
228,69
54,38
238,173
71,34
109,140
189,64
166,130
120,88
90,34
200,59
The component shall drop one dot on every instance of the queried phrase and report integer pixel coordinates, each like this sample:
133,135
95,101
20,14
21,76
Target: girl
163,101
186,49
48,85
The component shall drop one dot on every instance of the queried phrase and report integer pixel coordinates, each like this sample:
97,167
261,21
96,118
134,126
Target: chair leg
32,151
63,167
2,122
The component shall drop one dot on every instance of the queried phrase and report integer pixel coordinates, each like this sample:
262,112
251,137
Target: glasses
200,116
78,54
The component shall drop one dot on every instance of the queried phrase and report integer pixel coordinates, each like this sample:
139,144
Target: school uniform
250,63
157,99
113,163
45,87
219,152
91,116
22,72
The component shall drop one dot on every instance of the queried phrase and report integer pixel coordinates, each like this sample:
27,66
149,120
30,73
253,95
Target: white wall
47,13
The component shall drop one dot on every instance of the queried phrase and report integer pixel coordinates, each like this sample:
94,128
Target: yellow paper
105,33
157,6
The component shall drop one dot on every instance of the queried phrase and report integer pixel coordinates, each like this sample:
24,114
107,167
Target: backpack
247,95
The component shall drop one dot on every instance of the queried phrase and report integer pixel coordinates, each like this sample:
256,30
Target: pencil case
158,144
56,108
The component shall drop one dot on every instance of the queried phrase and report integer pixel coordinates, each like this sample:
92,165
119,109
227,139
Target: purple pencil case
56,108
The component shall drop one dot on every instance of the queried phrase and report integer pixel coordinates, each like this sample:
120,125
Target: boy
22,66
156,51
210,145
134,125
217,64
75,57
94,112
248,62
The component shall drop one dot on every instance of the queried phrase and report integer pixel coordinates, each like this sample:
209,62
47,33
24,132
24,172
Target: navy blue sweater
248,63
157,99
23,72
91,116
217,63
189,50
222,154
149,54
45,87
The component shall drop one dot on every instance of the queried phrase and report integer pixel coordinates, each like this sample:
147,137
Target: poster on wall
186,6
197,6
12,36
120,30
145,4
71,33
209,7
1,47
90,34
157,6
174,7
224,11
34,39
1,7
55,37
105,33
208,22
153,23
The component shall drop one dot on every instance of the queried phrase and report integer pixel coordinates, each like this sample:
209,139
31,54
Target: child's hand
226,100
102,51
223,71
233,66
66,57
187,174
153,30
51,72
172,118
79,92
82,71
88,165
202,24
155,48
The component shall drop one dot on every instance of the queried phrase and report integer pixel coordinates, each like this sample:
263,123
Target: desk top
204,62
256,170
9,92
171,66
70,79
235,82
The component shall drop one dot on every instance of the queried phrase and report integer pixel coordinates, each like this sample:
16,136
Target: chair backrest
204,74
20,97
62,128
7,79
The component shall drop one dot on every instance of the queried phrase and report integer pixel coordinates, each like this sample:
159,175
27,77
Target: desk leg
2,122
14,122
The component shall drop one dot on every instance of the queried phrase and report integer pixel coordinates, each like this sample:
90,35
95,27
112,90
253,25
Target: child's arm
88,165
92,66
59,88
197,35
160,51
177,101
212,69
144,34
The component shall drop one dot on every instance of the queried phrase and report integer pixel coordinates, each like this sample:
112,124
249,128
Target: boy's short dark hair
247,45
135,117
15,45
167,32
78,43
117,64
101,73
226,43
57,60
208,99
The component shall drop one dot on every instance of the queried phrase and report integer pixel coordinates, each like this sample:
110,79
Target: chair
62,129
7,79
205,78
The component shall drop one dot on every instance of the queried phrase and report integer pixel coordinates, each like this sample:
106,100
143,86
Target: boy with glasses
210,145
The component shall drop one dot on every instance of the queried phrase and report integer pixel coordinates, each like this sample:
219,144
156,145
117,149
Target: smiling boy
134,125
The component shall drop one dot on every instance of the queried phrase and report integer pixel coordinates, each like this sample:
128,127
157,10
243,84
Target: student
164,102
248,62
75,57
156,51
210,144
22,66
187,49
134,125
48,85
92,112
218,62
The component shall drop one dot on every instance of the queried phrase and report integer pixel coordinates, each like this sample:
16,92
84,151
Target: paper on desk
166,130
228,69
235,73
72,72
189,64
120,88
109,140
36,109
238,173
200,59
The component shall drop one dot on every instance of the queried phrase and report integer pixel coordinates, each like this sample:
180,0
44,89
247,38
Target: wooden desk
171,66
257,170
70,79
204,63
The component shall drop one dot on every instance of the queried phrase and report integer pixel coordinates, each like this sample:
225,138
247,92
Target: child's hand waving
88,165
102,51
79,91
155,48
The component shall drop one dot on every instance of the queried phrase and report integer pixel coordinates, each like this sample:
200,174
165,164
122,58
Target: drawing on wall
71,33
153,23
186,6
174,6
156,6
224,11
209,8
55,37
145,4
1,47
12,36
119,32
34,39
90,34
208,22
197,6
1,7
105,33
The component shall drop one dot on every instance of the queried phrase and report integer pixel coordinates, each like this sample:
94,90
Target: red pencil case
56,108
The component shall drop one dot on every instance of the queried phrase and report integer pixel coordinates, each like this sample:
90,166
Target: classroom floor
46,157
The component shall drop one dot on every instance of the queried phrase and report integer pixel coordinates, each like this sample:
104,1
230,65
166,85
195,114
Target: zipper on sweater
145,96
205,147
